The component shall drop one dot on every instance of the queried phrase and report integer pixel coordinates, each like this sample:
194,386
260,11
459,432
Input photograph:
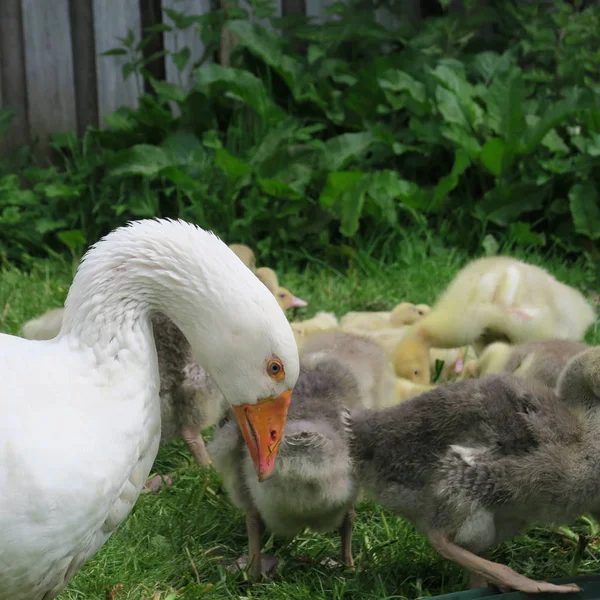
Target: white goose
80,415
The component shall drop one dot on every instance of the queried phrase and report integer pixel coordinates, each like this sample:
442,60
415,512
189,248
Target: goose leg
195,442
494,573
346,534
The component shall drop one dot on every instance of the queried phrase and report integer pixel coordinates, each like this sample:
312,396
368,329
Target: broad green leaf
585,209
506,202
168,91
181,179
554,116
521,233
555,143
46,225
72,238
343,149
512,122
492,156
450,107
141,159
488,63
463,139
58,190
278,189
337,184
267,46
504,100
451,77
182,147
385,188
447,183
233,167
180,59
240,85
396,80
353,202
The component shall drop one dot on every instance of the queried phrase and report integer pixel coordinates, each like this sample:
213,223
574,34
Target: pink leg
195,442
154,484
494,573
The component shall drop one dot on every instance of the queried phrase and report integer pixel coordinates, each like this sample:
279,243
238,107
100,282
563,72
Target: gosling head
287,300
411,360
407,313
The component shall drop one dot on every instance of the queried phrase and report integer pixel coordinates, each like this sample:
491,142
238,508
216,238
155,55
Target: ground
173,543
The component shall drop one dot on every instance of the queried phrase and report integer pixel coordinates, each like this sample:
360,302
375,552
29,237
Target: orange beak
262,427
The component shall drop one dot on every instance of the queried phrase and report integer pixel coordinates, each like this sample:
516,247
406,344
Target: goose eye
282,295
275,370
416,372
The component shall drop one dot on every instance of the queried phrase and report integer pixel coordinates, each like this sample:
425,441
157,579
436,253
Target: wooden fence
52,69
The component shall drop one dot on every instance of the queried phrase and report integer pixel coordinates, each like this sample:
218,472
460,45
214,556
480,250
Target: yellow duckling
404,313
388,339
322,321
285,298
245,254
494,299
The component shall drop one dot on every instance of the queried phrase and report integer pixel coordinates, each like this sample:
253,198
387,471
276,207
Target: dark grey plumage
543,360
366,359
190,400
312,484
473,462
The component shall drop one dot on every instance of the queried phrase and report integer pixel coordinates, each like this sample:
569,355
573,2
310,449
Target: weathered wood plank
178,39
84,64
113,19
12,74
293,7
151,15
49,68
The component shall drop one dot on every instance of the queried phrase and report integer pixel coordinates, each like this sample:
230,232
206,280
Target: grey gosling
190,399
366,359
312,484
474,462
542,360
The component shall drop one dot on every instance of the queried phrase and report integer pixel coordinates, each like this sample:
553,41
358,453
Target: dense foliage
481,125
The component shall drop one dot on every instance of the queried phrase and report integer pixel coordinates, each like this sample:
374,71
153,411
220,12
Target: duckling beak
298,302
262,426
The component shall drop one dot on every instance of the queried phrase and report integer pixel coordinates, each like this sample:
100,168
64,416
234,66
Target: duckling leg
195,442
494,573
346,534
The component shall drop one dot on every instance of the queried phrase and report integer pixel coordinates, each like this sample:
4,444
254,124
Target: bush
480,125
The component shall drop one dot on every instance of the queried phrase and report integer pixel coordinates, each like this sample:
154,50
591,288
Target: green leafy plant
482,126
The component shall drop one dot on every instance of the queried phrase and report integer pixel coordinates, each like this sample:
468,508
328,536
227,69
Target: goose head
250,352
234,325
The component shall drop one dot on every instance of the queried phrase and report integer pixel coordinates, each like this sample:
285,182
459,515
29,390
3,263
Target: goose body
80,426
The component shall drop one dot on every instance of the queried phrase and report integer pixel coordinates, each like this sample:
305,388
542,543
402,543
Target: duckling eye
416,372
275,369
282,295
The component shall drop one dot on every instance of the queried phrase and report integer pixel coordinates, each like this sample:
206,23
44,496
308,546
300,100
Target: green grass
192,526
